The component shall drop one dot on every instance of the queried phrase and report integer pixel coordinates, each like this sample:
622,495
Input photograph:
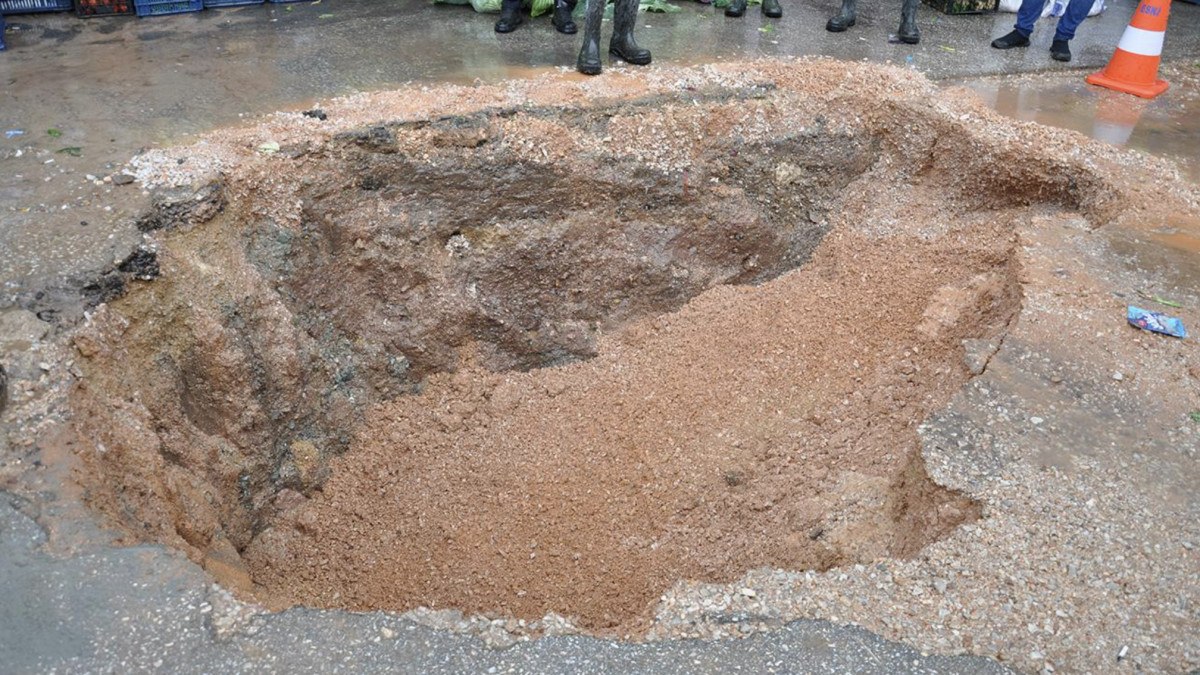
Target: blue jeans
1031,11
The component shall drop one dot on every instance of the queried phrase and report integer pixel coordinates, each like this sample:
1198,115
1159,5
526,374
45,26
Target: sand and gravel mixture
760,454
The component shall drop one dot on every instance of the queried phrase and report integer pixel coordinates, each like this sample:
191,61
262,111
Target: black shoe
736,8
508,22
562,19
629,51
839,24
1013,39
589,58
1060,50
771,9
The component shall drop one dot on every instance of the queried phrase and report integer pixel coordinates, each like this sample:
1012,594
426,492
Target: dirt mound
434,361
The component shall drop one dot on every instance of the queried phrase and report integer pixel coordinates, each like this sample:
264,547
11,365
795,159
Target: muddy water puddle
1168,126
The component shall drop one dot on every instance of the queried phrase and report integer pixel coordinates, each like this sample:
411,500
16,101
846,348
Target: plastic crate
230,3
964,6
161,7
33,6
86,8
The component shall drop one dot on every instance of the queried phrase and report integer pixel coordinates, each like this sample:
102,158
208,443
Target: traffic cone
1133,68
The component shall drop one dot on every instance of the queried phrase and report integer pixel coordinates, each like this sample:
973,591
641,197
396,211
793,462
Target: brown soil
433,361
771,426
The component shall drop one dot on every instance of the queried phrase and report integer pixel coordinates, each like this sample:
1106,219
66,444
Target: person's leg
1077,11
771,8
562,20
510,16
736,8
622,44
844,18
908,33
589,54
1027,15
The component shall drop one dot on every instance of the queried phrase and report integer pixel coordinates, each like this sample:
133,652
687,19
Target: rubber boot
562,20
589,55
771,9
909,34
622,44
844,19
736,8
510,16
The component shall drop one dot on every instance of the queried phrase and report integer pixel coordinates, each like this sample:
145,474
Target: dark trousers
1031,11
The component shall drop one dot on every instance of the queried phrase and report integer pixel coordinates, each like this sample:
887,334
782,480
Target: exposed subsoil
770,426
551,348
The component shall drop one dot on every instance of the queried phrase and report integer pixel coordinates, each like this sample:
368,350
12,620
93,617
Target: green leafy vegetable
73,150
657,6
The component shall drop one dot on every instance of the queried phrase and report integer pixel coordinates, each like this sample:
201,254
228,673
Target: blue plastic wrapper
1156,322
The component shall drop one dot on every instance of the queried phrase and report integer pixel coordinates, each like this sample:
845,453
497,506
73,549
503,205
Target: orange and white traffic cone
1133,68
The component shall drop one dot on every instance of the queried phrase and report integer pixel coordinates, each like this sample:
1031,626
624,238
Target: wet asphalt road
146,609
115,85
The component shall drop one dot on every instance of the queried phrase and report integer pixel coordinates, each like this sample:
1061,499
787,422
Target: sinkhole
514,361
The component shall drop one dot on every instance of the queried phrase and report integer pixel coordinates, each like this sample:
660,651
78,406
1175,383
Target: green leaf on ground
1159,299
1195,415
72,150
324,16
53,133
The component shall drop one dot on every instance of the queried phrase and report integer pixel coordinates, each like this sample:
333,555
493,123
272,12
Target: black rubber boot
622,44
844,19
562,20
736,8
510,16
1013,39
771,8
1060,50
589,55
909,34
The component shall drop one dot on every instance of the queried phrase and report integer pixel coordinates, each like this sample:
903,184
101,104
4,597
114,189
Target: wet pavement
112,86
1168,126
155,612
